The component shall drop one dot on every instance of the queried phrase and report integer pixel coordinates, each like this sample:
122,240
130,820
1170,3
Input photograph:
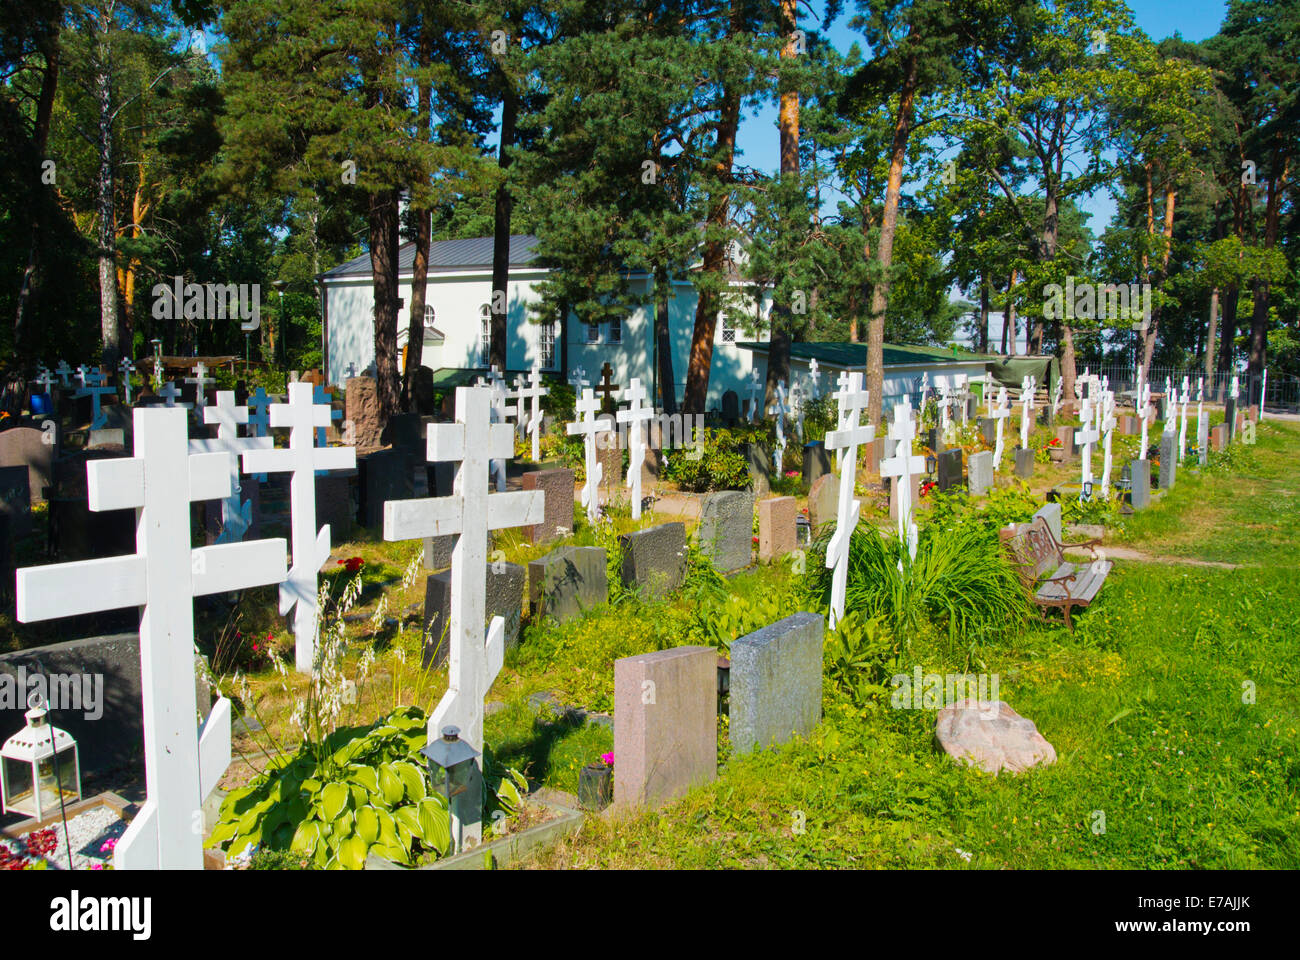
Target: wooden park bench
1040,561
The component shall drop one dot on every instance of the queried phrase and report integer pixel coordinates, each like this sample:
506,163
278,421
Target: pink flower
607,758
96,866
108,845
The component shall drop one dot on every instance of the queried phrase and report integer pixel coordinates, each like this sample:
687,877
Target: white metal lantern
39,768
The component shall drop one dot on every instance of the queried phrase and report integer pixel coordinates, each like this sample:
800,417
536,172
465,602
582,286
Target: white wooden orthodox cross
852,400
904,465
1144,414
1106,424
1263,392
1001,414
925,391
126,367
162,576
1184,395
779,411
45,379
500,412
64,372
814,378
170,394
200,381
311,547
1203,425
578,379
94,385
1027,387
753,395
236,514
1085,438
796,407
474,660
532,391
634,416
586,409
1056,396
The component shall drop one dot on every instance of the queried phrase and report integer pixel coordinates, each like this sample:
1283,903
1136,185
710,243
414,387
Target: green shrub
860,655
960,582
717,464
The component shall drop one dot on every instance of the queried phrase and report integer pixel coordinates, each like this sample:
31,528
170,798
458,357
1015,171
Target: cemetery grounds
1173,706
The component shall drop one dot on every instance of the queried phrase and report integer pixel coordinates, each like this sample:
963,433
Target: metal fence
1283,393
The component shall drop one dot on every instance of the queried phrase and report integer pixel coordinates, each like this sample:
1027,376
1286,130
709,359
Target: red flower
352,564
1054,442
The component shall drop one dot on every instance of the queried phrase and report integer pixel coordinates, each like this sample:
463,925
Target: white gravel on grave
87,831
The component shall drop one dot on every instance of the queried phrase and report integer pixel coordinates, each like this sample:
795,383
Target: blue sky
1194,19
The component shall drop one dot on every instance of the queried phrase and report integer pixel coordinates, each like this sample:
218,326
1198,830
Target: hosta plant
362,790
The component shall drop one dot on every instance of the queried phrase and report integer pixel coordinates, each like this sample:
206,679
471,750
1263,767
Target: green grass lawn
1172,707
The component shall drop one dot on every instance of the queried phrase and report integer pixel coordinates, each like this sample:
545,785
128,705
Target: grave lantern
39,769
456,759
931,462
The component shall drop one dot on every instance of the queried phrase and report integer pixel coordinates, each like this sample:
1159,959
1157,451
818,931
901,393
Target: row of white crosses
530,391
162,577
1184,395
474,655
236,515
754,390
852,400
1106,421
1144,411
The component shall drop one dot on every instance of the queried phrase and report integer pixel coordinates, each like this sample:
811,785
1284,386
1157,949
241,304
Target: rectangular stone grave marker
816,463
1218,437
384,475
824,501
665,724
34,450
361,413
1065,435
726,531
949,469
1168,459
654,559
504,598
777,527
437,551
1140,484
1051,514
15,500
557,486
979,472
776,682
1230,417
1024,463
567,581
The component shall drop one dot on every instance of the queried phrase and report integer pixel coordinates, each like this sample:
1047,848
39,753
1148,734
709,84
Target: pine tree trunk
501,234
110,331
419,290
885,250
39,198
383,267
778,352
715,251
664,342
984,316
1210,331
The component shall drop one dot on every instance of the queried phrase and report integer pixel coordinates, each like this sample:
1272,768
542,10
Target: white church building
457,330
457,319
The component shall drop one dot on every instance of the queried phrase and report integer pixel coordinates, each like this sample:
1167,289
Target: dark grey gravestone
1024,463
726,532
816,463
404,430
654,559
15,499
505,599
776,682
759,465
567,581
385,475
437,551
1229,417
949,469
557,486
105,715
979,472
79,533
1140,484
33,448
730,408
1051,514
441,476
988,430
1168,459
335,502
933,440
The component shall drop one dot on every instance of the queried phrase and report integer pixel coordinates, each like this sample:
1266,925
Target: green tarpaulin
1011,371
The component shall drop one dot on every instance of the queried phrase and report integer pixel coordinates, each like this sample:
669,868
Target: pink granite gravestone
665,724
777,530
